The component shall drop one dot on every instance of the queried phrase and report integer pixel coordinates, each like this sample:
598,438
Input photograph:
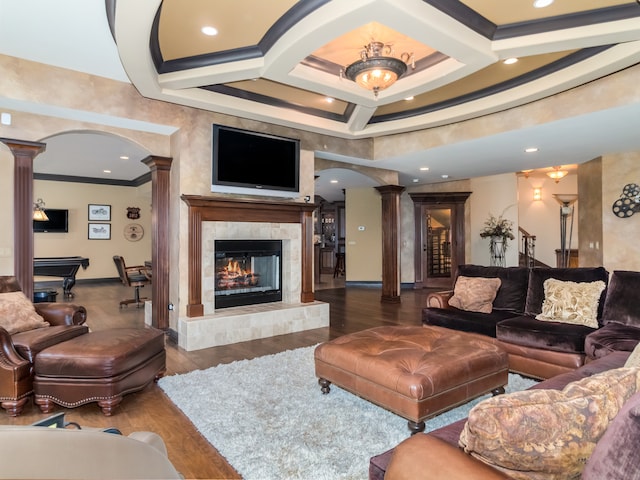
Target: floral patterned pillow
571,302
17,313
475,294
547,434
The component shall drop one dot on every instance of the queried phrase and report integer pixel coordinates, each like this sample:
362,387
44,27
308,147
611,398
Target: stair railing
527,248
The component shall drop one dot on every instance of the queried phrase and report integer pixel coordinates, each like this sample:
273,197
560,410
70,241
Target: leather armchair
18,351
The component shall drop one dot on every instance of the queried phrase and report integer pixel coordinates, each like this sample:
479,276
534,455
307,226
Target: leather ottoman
415,372
98,367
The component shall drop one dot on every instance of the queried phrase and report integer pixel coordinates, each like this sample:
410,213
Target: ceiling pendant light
377,69
557,174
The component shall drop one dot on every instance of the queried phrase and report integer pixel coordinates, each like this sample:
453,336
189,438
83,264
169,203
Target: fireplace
247,272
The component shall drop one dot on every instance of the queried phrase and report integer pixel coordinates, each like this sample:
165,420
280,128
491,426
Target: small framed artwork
99,213
99,231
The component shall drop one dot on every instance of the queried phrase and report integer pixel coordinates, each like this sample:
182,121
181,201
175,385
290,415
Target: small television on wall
58,221
253,163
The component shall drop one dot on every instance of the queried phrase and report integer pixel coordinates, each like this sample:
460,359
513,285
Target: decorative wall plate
133,232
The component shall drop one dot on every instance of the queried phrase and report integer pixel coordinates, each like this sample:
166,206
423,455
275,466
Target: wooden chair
132,277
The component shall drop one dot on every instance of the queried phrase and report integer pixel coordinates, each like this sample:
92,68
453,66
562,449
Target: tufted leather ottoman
98,367
415,372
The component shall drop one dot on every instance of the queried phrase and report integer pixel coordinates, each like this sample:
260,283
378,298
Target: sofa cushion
513,284
537,276
474,322
474,294
17,313
556,336
512,432
622,304
616,454
571,302
634,358
613,337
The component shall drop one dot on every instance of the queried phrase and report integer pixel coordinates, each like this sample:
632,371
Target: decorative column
23,154
390,242
160,179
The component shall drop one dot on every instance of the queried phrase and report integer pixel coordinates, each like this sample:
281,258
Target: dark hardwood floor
352,309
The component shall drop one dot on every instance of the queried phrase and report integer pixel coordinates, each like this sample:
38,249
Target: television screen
58,221
254,163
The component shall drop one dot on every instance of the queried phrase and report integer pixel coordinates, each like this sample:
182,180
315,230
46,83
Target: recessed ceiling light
124,157
329,100
210,31
416,180
445,176
333,181
424,169
542,3
106,171
510,61
408,99
531,149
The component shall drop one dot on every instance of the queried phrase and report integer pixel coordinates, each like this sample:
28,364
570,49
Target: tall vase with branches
499,230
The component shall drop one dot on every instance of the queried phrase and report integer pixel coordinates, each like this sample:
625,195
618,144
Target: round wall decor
133,232
629,201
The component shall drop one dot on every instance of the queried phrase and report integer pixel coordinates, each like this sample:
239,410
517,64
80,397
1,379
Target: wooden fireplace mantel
219,209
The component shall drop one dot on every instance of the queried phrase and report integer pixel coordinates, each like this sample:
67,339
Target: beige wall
76,197
620,236
590,215
542,217
363,251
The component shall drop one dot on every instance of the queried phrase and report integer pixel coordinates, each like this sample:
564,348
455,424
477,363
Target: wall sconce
537,194
38,211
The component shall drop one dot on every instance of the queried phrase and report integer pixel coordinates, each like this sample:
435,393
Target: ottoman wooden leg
497,391
325,385
14,407
45,404
107,406
416,427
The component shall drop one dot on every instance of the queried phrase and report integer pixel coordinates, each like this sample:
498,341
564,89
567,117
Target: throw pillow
17,313
571,302
547,434
634,358
475,294
616,455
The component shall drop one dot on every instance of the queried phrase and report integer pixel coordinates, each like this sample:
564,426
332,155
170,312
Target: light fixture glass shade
557,174
38,212
376,71
537,194
40,216
566,199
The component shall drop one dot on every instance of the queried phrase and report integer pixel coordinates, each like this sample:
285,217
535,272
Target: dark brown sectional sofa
562,353
542,349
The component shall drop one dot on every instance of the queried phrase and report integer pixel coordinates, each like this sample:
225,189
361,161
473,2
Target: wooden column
23,154
390,242
160,180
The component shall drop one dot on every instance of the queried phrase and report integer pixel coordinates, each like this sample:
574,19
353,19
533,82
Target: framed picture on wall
99,231
99,213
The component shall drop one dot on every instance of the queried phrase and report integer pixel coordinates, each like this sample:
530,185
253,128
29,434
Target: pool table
65,267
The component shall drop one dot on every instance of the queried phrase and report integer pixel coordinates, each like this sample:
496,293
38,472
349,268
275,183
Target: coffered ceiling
281,61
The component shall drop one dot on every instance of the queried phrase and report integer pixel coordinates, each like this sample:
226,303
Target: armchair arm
8,355
439,299
423,457
58,313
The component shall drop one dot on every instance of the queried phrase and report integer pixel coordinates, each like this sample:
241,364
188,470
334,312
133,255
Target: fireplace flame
234,276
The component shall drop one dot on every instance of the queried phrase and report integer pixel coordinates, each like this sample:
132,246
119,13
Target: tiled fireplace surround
212,218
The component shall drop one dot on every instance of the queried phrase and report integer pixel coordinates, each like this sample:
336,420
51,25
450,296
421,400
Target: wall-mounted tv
254,163
58,221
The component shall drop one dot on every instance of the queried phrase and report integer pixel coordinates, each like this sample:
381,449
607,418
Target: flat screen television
58,221
254,163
